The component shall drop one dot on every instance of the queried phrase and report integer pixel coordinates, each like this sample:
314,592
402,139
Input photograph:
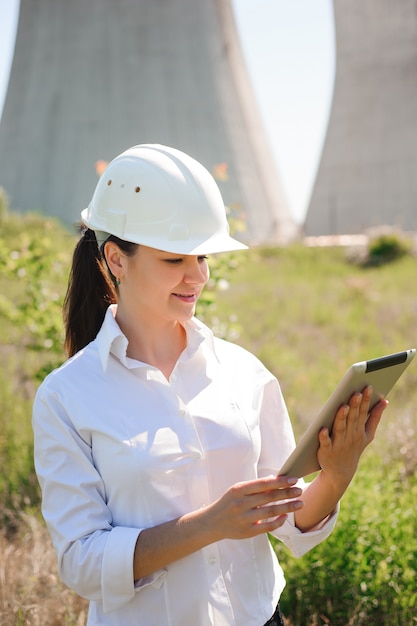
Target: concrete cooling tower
368,172
92,78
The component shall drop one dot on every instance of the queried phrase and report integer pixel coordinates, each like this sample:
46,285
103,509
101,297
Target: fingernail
292,480
298,504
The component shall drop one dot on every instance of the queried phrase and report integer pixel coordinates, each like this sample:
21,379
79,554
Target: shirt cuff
117,568
118,585
298,542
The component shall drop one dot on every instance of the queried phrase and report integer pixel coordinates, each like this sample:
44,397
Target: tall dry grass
31,593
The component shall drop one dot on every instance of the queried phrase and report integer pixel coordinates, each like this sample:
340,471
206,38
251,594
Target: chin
186,316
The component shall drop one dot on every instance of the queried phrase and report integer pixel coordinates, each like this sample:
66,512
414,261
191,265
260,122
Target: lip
186,297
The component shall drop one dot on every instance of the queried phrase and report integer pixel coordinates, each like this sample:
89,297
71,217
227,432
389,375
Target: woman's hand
245,510
353,430
254,507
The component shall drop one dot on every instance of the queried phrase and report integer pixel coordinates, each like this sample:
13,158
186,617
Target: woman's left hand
353,430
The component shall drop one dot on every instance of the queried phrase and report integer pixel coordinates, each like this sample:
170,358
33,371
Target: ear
116,259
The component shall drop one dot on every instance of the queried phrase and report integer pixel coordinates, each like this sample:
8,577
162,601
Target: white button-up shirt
118,449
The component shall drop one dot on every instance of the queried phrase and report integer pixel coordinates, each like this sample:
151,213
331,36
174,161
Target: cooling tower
368,172
91,78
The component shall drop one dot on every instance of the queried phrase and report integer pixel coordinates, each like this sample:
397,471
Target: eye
176,261
202,258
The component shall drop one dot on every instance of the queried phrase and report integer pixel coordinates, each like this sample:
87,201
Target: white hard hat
162,198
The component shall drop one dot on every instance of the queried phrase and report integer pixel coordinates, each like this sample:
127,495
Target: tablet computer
382,373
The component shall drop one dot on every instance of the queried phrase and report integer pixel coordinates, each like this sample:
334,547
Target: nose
197,271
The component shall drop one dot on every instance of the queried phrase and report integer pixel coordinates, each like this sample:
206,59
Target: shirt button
182,412
212,560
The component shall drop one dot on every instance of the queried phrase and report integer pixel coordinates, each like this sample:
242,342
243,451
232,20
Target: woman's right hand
245,510
251,508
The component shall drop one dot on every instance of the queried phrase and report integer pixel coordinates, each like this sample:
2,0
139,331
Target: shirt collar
111,340
197,333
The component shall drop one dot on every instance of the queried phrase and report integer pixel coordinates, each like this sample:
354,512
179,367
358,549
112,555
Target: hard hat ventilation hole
122,186
109,182
137,189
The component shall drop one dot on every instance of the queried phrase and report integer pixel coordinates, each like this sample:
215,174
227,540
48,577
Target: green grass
307,313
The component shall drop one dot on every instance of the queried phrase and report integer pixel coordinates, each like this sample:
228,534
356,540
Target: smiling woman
157,445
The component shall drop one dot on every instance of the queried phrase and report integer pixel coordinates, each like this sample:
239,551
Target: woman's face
161,285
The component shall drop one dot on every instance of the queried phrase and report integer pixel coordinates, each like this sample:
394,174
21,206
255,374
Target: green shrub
34,257
386,248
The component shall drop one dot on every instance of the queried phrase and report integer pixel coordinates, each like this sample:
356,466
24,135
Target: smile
186,297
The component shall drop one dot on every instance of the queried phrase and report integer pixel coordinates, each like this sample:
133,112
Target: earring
117,281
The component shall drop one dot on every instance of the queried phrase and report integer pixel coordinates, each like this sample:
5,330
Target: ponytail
91,289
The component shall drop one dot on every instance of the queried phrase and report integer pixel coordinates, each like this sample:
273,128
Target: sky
290,53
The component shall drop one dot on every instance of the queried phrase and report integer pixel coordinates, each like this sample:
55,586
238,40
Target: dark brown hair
91,289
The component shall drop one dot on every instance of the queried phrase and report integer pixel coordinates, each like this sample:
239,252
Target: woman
157,445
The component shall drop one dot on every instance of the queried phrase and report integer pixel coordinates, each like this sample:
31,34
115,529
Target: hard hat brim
219,242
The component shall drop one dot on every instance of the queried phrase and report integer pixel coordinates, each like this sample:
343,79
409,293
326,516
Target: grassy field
307,313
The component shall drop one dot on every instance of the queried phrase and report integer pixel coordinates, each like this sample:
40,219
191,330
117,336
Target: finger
340,421
268,526
358,411
274,511
365,404
353,416
276,495
290,480
363,413
325,440
374,419
261,485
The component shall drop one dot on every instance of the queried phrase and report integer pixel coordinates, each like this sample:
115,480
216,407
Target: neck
159,345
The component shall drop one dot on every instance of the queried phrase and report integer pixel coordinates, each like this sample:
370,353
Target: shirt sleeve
277,444
95,559
298,542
